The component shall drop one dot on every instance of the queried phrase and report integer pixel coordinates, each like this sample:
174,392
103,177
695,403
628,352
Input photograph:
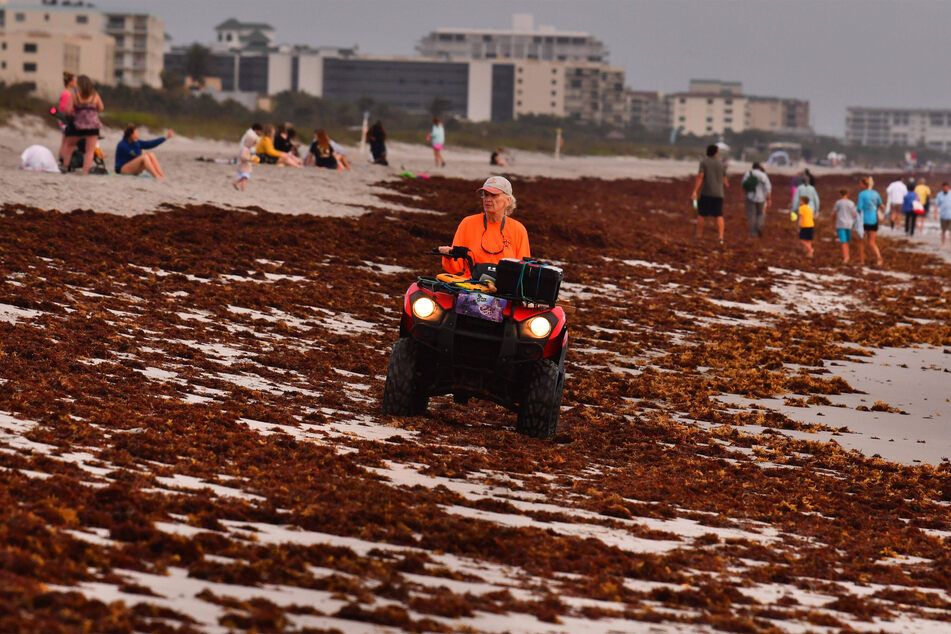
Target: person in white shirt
895,195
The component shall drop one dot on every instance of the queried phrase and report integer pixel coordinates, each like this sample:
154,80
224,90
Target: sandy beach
191,436
277,189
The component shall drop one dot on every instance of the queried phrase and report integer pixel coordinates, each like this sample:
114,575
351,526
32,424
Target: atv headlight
538,327
424,307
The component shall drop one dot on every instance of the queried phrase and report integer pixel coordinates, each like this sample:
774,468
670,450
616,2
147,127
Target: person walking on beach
845,216
924,195
84,107
246,159
943,203
437,137
908,206
807,225
758,194
895,193
708,191
807,189
868,203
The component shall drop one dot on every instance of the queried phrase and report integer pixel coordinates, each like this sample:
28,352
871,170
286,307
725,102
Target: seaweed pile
190,437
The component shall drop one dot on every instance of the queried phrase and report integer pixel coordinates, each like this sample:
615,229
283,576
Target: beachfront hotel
139,47
569,78
39,42
711,107
899,126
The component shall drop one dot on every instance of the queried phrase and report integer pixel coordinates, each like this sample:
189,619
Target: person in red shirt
492,234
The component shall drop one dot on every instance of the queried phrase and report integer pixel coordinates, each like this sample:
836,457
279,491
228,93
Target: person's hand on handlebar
444,250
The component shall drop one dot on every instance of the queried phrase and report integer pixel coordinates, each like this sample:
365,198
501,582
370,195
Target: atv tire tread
402,395
541,405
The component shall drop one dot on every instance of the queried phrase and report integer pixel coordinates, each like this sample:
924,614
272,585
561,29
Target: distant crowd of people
857,221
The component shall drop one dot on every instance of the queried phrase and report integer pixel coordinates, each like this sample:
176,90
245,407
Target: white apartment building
39,42
140,44
522,41
899,126
705,114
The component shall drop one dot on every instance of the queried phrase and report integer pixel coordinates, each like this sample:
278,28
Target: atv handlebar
457,253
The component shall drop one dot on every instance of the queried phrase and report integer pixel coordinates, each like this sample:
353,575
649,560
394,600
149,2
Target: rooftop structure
522,41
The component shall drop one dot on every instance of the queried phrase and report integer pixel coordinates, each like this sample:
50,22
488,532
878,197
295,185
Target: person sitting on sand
497,158
492,234
132,160
268,154
341,154
321,153
284,139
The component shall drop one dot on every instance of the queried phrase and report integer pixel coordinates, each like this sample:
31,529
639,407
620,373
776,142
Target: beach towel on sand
37,158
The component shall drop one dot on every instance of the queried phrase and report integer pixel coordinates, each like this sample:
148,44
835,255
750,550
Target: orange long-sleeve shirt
514,241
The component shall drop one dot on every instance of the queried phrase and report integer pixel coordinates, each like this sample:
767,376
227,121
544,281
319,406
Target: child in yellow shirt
806,225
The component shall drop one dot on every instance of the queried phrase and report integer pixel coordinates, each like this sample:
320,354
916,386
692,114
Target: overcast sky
834,53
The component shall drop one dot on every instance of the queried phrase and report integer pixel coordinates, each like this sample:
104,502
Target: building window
4,46
709,119
3,65
82,19
728,111
553,104
728,120
519,80
518,103
554,71
683,100
29,47
728,102
46,17
19,17
709,129
709,102
554,93
554,82
29,67
228,37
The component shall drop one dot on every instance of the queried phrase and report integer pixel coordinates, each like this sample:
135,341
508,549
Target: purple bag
481,306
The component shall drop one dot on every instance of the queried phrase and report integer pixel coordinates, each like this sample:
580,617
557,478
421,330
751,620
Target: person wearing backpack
758,193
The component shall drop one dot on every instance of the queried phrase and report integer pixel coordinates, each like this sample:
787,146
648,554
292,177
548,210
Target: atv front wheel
403,394
539,409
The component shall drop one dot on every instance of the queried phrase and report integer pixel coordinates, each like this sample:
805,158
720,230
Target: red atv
497,335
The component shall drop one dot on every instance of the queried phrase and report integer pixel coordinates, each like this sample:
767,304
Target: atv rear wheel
403,394
539,409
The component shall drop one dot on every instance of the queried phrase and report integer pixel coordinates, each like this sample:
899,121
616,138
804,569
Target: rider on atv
493,234
489,328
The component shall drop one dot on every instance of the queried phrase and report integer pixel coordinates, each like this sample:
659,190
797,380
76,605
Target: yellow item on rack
463,281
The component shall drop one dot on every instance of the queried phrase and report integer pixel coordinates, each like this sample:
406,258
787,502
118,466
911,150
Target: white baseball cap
497,185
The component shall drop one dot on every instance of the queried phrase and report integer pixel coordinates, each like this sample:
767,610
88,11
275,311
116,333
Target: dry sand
276,189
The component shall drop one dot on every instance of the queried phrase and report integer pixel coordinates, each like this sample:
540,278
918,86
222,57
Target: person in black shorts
709,189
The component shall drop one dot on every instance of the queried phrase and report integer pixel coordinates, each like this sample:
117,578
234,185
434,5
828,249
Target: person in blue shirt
868,204
943,203
437,137
908,208
131,157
